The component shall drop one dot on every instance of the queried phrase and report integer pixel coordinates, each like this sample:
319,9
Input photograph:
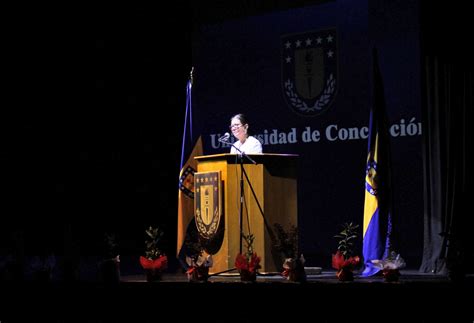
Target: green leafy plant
153,237
249,239
248,264
155,261
346,239
344,261
286,241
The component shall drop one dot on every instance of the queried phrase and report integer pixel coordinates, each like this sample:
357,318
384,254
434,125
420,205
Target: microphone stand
241,210
242,174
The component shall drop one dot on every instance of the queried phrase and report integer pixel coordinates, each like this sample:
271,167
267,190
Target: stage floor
416,297
407,276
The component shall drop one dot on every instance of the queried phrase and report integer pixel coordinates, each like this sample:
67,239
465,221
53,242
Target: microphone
224,138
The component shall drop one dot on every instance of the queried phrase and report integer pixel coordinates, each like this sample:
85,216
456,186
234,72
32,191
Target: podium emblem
207,202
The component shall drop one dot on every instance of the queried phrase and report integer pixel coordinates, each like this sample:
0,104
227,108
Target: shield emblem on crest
208,208
309,71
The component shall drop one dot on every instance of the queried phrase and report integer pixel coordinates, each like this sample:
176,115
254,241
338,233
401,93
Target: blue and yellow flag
377,207
188,166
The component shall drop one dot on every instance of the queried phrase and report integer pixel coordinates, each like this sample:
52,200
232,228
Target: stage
225,298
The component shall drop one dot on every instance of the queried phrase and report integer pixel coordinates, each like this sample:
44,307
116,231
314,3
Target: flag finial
191,75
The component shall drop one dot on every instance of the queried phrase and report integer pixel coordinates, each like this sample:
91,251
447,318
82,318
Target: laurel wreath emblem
209,231
320,103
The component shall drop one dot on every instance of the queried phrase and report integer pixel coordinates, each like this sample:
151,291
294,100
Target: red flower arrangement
344,267
247,267
342,261
198,269
154,262
248,264
158,264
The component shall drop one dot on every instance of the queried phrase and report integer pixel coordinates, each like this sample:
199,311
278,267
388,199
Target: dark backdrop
241,66
92,127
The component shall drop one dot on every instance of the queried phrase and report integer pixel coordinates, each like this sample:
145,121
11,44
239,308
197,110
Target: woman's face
238,129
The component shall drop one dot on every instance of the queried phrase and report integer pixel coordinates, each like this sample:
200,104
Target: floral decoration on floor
154,262
344,261
390,266
344,266
198,262
294,269
198,269
287,245
248,264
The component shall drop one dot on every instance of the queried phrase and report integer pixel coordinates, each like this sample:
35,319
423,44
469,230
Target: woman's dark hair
242,118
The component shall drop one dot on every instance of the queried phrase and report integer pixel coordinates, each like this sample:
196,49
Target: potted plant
344,261
198,262
155,261
287,245
390,266
248,264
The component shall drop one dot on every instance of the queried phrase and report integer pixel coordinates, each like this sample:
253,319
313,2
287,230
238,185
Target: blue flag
188,135
377,207
190,148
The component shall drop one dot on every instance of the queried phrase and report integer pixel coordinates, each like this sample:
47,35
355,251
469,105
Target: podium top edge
228,155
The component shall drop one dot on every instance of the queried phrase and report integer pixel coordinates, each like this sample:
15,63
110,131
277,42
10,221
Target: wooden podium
273,179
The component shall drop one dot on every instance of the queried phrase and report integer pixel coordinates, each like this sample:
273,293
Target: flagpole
188,110
191,81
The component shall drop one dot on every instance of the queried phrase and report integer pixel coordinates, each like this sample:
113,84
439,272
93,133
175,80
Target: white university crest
309,71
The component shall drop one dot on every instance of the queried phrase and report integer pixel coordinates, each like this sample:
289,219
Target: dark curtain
447,154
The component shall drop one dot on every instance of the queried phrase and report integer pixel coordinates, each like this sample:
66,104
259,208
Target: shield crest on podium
208,207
